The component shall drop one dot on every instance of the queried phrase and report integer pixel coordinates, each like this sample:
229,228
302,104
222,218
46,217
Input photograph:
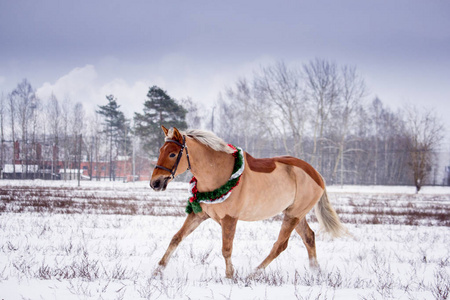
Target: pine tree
116,128
159,109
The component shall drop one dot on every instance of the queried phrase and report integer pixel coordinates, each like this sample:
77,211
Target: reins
175,166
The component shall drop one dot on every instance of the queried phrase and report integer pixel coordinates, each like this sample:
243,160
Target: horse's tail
327,217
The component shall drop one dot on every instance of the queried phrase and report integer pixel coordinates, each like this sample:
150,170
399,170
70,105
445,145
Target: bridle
175,166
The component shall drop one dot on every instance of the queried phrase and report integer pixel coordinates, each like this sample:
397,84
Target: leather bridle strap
175,166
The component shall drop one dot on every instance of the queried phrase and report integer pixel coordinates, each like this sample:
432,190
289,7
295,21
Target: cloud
85,85
180,76
130,96
77,85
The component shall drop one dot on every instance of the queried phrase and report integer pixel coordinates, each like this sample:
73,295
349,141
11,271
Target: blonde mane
206,138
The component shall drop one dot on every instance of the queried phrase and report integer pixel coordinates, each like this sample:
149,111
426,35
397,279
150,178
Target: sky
85,50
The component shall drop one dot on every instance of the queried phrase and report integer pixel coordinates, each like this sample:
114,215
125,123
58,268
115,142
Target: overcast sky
85,50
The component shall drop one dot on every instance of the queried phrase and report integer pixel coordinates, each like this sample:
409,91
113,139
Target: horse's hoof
229,272
229,275
158,271
256,274
314,265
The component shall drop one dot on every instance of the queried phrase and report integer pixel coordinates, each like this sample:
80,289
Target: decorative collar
218,195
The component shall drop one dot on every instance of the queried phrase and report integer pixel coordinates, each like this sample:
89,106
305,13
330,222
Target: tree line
318,112
57,135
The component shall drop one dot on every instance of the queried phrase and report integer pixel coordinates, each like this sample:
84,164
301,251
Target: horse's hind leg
192,221
288,225
309,240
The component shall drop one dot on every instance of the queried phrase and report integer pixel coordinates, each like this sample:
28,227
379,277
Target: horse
230,185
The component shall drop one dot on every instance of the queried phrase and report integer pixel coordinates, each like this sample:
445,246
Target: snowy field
104,240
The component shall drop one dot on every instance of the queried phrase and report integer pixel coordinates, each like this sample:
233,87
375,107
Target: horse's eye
172,155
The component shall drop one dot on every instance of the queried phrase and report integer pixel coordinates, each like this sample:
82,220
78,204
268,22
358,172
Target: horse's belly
266,200
261,213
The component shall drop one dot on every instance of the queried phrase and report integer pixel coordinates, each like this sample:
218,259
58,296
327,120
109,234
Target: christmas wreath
218,195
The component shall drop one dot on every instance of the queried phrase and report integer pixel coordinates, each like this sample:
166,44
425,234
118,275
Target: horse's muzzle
159,184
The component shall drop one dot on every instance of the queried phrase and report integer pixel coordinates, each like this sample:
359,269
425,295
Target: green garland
193,204
193,207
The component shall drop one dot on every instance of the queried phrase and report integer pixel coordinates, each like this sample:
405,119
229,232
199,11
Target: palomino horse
230,185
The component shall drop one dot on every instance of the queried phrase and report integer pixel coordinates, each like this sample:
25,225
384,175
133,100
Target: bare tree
78,115
12,114
353,90
227,120
43,120
54,119
66,108
193,117
385,145
281,86
322,90
242,97
377,110
93,142
425,132
36,149
243,117
91,130
2,137
24,97
241,106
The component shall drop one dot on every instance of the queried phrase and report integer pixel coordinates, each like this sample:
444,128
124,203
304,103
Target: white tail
327,217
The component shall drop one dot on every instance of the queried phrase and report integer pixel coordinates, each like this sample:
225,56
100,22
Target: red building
121,169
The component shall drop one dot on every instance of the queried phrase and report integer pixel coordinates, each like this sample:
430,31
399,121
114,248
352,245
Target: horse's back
268,165
306,167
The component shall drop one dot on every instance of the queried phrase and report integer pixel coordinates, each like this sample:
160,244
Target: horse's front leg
192,221
228,229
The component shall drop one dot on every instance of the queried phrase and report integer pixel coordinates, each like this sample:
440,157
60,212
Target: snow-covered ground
104,240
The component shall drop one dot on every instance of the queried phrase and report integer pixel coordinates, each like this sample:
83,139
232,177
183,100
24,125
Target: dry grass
428,210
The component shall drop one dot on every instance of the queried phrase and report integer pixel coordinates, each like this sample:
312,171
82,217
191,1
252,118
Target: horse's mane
206,138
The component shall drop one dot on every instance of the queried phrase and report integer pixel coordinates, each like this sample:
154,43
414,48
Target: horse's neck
211,168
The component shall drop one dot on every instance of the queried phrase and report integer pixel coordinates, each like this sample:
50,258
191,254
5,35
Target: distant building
121,169
52,166
16,171
72,174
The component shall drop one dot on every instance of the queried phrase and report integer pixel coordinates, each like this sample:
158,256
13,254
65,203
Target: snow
19,168
377,189
95,255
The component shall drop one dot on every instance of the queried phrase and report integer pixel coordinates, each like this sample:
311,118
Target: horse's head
171,161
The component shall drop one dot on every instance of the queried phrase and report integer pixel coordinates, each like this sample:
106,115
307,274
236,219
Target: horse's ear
177,135
165,130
